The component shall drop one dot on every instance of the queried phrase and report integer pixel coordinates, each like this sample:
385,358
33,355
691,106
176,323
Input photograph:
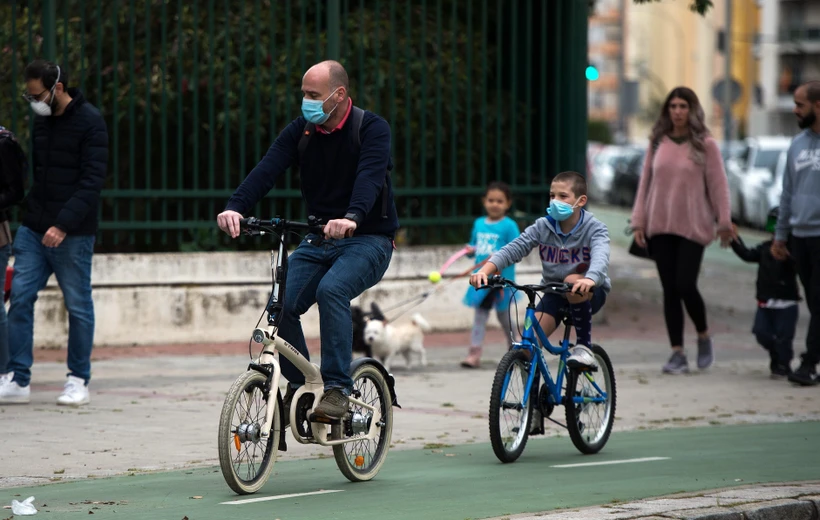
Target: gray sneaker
333,405
705,354
677,364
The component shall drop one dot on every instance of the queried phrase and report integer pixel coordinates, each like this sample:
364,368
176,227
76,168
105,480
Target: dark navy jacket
70,164
775,279
334,180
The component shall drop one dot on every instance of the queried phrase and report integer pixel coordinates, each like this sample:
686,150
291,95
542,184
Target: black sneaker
779,371
806,375
333,405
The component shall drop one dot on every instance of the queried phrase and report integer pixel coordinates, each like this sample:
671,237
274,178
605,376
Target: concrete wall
219,297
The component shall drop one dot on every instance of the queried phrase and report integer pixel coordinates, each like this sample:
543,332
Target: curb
794,501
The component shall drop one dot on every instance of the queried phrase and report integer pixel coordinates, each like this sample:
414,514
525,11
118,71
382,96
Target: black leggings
678,260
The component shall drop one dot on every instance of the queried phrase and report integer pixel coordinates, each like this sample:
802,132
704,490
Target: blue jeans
33,264
774,331
330,274
5,252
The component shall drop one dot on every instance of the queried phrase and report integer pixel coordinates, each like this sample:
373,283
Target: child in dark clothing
777,298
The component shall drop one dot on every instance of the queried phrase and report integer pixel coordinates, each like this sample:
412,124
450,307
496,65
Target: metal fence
194,93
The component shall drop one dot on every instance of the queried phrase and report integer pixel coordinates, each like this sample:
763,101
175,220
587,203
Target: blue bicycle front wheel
510,414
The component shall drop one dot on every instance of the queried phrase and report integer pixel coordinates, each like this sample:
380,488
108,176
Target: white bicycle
252,423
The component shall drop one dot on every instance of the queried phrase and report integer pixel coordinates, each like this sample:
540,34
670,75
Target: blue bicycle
588,397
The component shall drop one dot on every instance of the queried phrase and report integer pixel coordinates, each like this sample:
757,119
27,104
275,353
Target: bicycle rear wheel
360,460
245,458
510,416
589,424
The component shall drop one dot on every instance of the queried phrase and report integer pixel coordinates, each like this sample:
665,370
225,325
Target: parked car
613,178
627,175
761,191
759,155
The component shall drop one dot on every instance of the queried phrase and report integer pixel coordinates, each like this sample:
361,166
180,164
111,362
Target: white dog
389,341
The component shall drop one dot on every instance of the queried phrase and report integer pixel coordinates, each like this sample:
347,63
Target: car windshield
767,159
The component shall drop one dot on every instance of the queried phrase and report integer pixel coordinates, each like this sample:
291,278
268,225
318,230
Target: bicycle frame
532,335
313,384
267,364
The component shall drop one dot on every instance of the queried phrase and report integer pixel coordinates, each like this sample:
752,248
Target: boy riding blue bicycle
574,248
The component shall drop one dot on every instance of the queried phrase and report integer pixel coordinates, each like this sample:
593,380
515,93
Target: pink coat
678,196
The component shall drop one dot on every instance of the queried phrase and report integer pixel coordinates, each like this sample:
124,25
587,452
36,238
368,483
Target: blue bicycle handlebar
556,288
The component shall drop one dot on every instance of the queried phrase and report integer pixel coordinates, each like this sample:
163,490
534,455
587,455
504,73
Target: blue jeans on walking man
330,274
5,253
34,263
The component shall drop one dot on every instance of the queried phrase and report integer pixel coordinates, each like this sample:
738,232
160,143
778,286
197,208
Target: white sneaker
6,377
581,358
75,393
13,393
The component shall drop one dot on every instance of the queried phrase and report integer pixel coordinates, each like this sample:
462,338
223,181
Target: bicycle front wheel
245,458
590,423
360,460
510,416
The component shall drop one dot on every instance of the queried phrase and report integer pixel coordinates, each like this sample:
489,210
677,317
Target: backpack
356,117
7,136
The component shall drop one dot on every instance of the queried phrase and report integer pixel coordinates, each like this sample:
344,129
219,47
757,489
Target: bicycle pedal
323,419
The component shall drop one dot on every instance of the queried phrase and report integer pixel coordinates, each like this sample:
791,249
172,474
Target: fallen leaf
449,454
196,497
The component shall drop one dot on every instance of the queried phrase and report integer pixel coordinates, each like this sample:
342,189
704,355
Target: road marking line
608,462
277,497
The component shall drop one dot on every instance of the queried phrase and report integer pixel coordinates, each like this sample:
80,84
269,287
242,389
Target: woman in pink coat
682,204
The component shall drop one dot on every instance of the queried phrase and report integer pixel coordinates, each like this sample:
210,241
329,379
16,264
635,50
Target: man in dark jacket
12,174
70,145
343,171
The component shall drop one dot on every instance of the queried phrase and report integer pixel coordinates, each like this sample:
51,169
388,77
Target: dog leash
418,299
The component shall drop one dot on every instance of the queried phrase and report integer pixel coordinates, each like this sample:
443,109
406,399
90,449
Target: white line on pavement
277,497
608,462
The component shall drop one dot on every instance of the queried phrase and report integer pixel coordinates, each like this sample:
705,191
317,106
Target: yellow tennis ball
434,276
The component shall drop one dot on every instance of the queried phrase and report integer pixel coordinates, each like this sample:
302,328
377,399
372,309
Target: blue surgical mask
560,210
313,111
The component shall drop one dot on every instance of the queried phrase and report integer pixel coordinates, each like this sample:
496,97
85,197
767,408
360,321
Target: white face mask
41,108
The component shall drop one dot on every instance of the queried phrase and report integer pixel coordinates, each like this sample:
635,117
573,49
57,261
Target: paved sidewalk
157,407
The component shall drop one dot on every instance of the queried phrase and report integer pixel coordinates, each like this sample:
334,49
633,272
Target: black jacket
12,172
775,279
70,164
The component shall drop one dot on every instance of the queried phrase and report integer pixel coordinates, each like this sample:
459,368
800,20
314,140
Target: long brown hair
698,132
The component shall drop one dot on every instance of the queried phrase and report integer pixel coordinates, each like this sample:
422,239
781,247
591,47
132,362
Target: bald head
330,72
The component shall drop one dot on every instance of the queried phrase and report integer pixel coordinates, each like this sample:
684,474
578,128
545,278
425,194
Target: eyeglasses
35,97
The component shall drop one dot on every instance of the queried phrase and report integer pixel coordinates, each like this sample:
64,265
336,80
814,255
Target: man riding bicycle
343,154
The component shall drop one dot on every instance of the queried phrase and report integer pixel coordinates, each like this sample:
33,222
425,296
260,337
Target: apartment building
790,55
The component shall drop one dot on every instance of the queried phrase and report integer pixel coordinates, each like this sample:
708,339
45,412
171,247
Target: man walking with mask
70,149
798,223
343,169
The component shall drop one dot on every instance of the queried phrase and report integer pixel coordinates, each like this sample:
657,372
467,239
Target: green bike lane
459,482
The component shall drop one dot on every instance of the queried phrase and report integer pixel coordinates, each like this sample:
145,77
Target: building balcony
799,40
607,82
607,48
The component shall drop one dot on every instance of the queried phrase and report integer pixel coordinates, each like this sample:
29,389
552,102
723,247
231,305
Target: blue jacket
70,165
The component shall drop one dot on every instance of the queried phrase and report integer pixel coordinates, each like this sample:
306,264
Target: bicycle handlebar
555,288
255,226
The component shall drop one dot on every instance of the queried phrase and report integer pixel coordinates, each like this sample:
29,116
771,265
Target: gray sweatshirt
800,200
584,251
